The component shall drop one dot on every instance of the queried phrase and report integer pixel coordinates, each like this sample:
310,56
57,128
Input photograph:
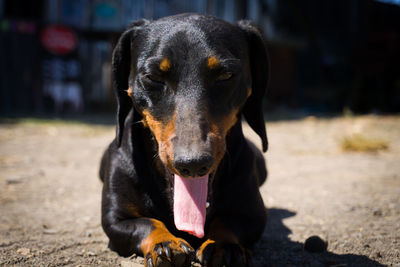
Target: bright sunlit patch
361,143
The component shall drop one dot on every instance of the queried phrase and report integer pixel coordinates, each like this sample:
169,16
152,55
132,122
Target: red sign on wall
58,39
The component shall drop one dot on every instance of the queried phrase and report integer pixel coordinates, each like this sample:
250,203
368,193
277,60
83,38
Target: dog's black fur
184,117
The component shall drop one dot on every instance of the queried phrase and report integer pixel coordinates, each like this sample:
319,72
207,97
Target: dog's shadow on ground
276,249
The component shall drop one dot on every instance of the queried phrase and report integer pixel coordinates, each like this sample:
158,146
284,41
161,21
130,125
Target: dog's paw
173,253
217,254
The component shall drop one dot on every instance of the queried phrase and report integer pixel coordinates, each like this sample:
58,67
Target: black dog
180,175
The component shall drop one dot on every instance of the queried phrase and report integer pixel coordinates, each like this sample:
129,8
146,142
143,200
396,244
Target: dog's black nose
194,167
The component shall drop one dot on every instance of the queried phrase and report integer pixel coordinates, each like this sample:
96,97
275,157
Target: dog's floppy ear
259,66
121,68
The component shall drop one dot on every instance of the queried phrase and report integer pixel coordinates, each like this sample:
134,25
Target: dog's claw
174,253
159,250
167,252
149,261
187,249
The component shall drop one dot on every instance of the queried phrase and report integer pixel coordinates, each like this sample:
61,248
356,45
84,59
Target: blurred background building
325,55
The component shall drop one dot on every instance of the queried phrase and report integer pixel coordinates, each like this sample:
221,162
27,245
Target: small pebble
378,212
24,251
14,180
91,254
315,244
125,263
49,232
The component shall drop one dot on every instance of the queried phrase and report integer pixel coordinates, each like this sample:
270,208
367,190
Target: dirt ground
50,194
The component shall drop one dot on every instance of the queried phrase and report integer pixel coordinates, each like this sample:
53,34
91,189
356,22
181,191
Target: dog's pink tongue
190,197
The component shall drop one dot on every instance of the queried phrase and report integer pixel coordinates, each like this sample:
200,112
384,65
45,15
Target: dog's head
190,77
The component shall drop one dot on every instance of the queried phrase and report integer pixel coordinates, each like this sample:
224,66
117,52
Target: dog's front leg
150,238
223,248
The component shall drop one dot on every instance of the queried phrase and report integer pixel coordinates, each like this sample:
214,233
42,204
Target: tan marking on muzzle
163,132
218,131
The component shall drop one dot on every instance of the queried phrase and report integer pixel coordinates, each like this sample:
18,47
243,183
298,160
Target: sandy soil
50,194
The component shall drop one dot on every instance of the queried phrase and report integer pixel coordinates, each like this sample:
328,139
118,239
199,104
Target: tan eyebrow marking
165,64
213,62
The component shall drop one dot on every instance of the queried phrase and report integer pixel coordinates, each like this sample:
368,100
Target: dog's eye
154,79
224,76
